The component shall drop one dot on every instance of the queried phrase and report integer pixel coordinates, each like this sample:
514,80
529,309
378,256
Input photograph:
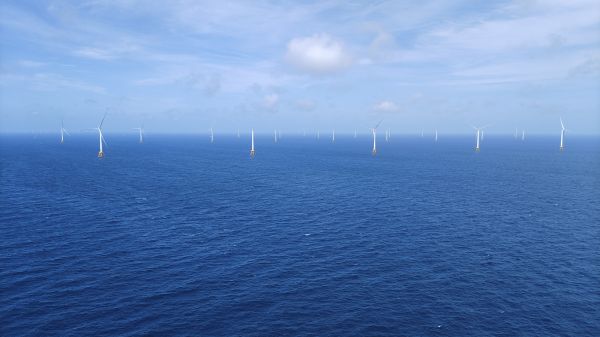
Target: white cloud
306,105
270,101
31,64
318,54
50,82
386,106
94,53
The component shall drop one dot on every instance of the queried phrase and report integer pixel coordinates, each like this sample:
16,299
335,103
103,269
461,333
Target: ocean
180,237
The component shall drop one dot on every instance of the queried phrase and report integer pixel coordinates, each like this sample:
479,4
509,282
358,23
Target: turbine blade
102,122
104,140
562,124
67,132
376,126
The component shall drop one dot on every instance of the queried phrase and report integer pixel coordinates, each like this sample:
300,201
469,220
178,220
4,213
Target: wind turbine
252,147
387,137
562,134
101,138
62,132
333,136
354,133
479,132
212,135
436,137
374,131
141,130
275,136
523,135
318,135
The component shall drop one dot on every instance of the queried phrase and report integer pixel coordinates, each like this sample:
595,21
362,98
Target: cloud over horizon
327,64
317,54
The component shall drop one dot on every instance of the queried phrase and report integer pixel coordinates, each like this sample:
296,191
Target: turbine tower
101,138
523,135
212,135
436,137
275,136
374,131
141,130
562,134
62,132
479,133
333,136
354,133
252,146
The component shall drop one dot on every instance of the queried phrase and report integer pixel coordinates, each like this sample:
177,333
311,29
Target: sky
184,66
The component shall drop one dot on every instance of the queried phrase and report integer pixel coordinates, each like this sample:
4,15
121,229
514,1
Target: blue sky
184,66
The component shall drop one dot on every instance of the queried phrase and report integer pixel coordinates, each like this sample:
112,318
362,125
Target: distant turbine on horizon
479,133
562,134
141,130
212,135
252,146
333,136
354,133
101,138
436,135
238,133
523,135
275,135
62,132
374,131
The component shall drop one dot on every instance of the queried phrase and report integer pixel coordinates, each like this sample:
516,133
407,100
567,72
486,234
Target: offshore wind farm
286,168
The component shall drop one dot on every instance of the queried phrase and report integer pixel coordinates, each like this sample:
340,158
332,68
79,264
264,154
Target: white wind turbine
562,134
141,130
436,135
101,138
275,136
333,136
252,146
62,132
318,135
212,135
374,131
523,135
479,133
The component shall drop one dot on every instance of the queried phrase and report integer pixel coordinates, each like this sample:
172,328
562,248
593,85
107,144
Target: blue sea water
179,237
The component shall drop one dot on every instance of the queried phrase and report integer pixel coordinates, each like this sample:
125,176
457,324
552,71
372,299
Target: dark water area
178,237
